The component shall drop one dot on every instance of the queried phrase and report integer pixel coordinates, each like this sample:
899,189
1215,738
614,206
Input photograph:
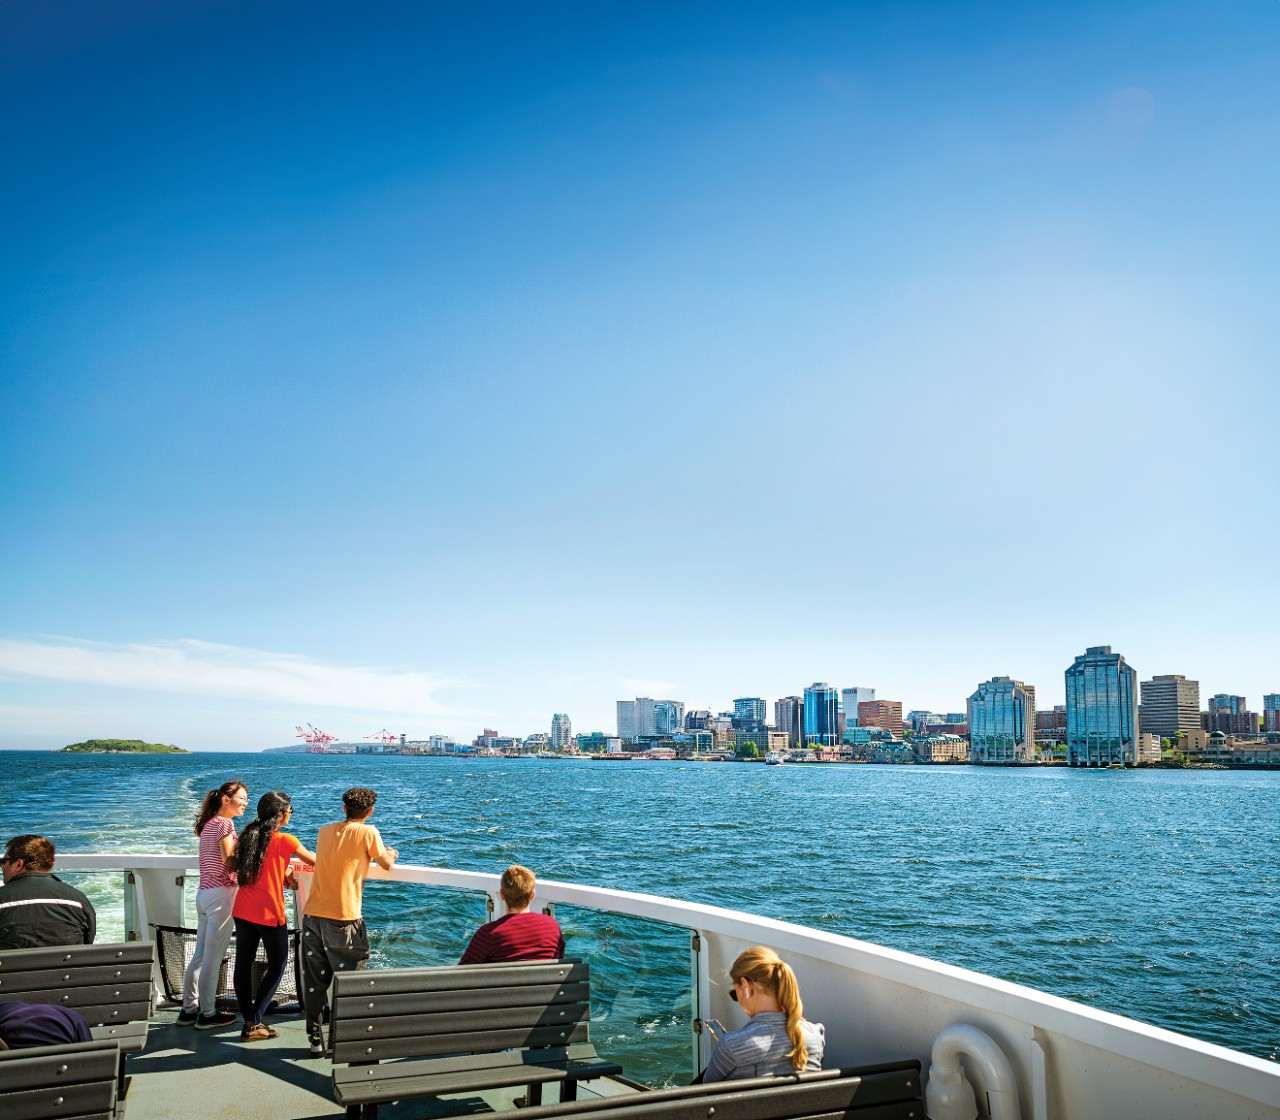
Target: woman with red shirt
262,864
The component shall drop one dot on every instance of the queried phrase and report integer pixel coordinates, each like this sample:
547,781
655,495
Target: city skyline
420,369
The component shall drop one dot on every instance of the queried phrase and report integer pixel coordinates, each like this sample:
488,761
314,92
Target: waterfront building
668,717
850,698
1002,722
635,718
1230,715
749,711
1148,747
884,714
561,731
1102,710
593,742
1051,725
919,719
941,748
788,717
1170,703
627,721
821,715
1271,712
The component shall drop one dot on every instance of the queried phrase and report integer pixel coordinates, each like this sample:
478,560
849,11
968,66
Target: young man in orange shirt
333,934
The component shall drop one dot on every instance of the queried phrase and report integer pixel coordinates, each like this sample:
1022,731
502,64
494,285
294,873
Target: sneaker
186,1018
217,1019
316,1040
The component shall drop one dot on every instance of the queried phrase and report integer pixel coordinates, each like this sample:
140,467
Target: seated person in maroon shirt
520,934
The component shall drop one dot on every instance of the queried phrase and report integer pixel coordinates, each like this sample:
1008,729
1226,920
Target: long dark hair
211,806
257,834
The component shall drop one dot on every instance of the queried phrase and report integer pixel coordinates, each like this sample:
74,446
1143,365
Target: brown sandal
258,1033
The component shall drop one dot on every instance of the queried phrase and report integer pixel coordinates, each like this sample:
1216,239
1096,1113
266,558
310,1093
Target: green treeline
121,746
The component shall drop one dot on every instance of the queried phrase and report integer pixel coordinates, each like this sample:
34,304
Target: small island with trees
120,746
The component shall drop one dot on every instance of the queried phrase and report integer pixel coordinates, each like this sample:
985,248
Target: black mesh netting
175,946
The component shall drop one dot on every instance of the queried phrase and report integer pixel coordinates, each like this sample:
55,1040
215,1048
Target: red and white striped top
213,871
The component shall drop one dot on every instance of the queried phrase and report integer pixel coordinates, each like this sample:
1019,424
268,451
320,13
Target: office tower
884,714
629,725
698,720
749,712
1102,710
1002,722
1231,716
561,731
788,717
821,715
1170,704
1271,712
668,717
850,698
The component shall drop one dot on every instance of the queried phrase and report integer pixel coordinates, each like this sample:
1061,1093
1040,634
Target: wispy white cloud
207,669
638,686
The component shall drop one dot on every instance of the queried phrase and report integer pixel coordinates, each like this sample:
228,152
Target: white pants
214,928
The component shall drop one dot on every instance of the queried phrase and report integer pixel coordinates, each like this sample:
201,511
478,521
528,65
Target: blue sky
438,366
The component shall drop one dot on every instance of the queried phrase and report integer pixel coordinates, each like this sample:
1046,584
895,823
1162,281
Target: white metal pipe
949,1096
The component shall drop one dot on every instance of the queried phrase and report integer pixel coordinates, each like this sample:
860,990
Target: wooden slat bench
890,1091
56,1082
110,985
473,1027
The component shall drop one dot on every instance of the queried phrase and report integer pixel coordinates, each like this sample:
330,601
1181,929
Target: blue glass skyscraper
821,715
1102,710
1002,722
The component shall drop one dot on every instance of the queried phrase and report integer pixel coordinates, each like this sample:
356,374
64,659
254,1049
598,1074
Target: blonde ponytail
765,968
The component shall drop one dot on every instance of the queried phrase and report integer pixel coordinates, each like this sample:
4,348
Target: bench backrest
459,1009
890,1089
51,1082
107,984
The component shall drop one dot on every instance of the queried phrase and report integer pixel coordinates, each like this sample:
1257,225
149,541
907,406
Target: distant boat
775,758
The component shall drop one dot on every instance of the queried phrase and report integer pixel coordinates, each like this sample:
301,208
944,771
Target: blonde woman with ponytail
779,1040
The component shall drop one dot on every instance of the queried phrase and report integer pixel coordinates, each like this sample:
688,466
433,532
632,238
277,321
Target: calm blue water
1148,893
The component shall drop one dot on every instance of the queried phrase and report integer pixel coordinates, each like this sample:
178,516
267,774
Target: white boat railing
1070,1061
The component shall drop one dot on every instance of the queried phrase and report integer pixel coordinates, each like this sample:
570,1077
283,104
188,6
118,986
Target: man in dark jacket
36,907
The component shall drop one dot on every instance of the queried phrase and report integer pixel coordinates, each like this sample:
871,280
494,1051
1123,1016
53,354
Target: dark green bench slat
545,1056
80,1101
108,1015
95,995
470,999
130,1037
55,1065
29,960
459,1022
820,1095
392,981
423,1046
902,1110
52,979
394,1081
719,1088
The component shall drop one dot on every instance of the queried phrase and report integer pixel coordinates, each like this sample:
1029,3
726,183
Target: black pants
275,939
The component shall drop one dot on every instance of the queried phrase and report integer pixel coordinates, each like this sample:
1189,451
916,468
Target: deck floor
185,1073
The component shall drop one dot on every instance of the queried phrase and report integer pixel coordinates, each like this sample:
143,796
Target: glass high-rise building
749,712
1102,710
1002,722
668,717
821,716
